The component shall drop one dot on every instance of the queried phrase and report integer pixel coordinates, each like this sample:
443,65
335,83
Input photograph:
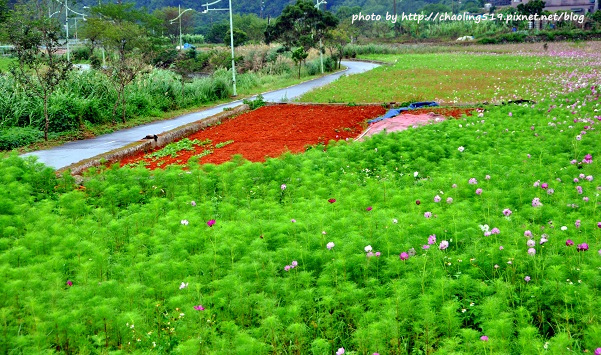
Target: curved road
73,152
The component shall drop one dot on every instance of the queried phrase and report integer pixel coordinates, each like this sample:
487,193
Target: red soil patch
272,130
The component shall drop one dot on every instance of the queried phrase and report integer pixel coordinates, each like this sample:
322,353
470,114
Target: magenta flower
569,243
428,214
588,159
193,203
69,283
443,245
404,256
378,254
577,223
332,200
536,202
484,337
598,351
579,189
437,198
501,247
473,181
544,185
507,212
598,224
293,220
199,308
211,222
527,278
495,231
330,245
478,191
585,199
576,180
432,239
531,251
368,209
510,114
582,247
425,247
287,268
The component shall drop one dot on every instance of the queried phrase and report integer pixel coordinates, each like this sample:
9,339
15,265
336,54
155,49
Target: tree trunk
123,104
46,117
299,67
115,106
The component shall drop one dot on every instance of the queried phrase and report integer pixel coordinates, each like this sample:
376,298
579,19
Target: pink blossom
428,214
527,278
404,256
211,222
531,251
484,337
69,283
199,308
437,198
507,212
330,245
478,191
443,245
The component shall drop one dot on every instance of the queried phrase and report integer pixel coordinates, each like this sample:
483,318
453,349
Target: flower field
480,235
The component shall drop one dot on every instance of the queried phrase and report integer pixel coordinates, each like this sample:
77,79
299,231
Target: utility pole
319,2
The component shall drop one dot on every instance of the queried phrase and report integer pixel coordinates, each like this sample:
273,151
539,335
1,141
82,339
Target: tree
35,37
298,56
300,25
336,40
240,37
533,7
119,28
171,29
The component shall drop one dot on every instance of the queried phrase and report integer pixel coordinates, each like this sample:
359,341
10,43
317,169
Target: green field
444,77
480,235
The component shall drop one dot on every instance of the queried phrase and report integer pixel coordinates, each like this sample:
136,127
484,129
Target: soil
272,130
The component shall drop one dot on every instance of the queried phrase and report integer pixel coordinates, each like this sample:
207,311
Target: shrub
15,137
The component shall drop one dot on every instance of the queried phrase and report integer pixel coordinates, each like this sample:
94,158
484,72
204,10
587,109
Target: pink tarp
401,123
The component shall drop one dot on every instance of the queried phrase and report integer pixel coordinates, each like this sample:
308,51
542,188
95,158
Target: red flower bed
272,130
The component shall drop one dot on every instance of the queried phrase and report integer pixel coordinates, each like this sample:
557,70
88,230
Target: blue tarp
396,111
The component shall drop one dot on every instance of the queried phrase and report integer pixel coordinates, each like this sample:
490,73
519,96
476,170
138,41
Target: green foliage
15,137
173,148
259,101
240,37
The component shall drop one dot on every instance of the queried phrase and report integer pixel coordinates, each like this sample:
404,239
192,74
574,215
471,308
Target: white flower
395,221
368,249
415,174
484,228
461,149
184,222
564,228
183,285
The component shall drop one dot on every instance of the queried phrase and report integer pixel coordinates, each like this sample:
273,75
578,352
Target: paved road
73,152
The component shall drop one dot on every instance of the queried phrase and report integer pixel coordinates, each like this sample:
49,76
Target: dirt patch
270,131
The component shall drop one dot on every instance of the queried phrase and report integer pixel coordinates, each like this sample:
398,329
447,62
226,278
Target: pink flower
454,186
404,256
378,254
531,251
69,283
332,200
478,191
544,185
211,222
588,159
340,351
293,220
582,247
531,243
432,239
598,351
527,233
507,212
294,263
283,187
501,247
484,337
527,278
428,214
449,200
425,247
193,203
370,254
598,224
473,181
443,245
569,243
330,245
487,177
543,239
510,115
437,198
368,209
589,177
577,223
287,268
199,308
536,202
495,231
